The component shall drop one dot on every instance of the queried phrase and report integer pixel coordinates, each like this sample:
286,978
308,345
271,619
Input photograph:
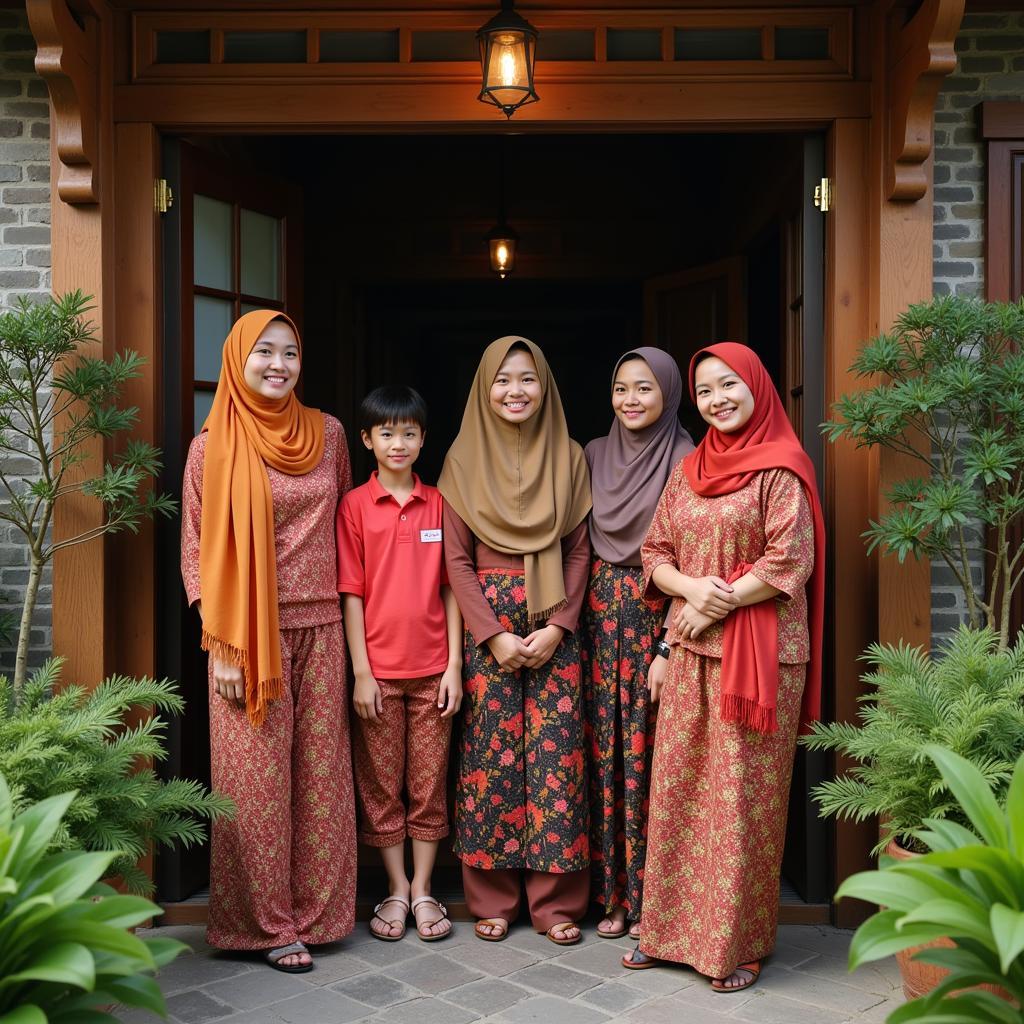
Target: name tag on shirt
430,536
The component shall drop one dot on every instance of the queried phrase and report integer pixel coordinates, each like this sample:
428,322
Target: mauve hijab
629,468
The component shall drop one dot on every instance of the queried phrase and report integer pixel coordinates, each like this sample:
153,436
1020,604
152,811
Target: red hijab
721,464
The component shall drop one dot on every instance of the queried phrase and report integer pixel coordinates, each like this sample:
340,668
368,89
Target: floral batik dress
720,791
618,631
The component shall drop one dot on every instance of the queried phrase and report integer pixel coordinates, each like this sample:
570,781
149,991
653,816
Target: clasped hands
708,599
513,652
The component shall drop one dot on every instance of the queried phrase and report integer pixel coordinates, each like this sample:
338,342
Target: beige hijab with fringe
520,488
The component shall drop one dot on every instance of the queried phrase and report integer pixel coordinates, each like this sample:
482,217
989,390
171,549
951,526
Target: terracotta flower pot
918,977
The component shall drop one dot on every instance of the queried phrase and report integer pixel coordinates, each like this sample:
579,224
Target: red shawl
721,464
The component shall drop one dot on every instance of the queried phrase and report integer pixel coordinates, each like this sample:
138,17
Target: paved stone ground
522,980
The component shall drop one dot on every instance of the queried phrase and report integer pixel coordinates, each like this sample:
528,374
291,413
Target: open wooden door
232,243
776,306
687,310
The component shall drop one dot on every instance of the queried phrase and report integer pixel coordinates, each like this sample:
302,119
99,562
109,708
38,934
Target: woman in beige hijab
516,545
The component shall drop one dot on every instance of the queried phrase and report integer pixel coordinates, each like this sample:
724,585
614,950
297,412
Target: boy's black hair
392,404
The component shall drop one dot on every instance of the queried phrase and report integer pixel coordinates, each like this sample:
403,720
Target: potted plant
54,402
961,905
946,387
66,955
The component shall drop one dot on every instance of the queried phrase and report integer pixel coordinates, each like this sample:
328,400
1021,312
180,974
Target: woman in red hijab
738,543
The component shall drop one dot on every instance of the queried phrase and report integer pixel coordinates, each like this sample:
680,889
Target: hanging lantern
502,242
508,48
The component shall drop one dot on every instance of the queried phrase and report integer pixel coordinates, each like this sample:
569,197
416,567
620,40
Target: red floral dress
720,792
618,630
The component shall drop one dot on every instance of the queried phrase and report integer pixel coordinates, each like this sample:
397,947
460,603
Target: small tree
950,394
53,402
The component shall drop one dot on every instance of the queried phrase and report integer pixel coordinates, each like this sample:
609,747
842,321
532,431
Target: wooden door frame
878,137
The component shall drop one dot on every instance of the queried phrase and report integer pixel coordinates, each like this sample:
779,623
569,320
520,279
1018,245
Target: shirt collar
379,494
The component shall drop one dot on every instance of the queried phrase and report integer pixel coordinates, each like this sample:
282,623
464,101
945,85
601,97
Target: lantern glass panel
503,255
508,72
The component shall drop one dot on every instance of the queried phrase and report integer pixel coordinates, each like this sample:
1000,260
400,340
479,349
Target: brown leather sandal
431,936
391,924
556,933
494,922
753,969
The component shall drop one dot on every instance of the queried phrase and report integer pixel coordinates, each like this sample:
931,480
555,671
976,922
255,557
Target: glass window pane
265,47
445,46
634,44
358,47
248,307
566,44
718,44
191,47
212,320
801,44
261,255
202,402
211,220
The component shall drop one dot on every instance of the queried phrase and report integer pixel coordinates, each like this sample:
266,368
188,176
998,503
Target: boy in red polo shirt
405,637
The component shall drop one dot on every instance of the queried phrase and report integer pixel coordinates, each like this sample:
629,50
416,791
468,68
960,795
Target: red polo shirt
392,557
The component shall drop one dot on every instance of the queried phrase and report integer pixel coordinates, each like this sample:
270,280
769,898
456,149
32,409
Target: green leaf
40,822
6,805
166,950
72,878
972,792
894,888
956,917
1008,932
66,963
139,991
878,937
123,911
24,1015
1015,809
104,937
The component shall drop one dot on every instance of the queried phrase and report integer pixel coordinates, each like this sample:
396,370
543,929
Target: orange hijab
237,562
723,463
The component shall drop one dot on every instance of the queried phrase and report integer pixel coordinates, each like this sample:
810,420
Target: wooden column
71,58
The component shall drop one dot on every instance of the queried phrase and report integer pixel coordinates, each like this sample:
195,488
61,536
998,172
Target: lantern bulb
508,66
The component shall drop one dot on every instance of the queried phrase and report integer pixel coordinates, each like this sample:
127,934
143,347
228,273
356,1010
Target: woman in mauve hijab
261,489
621,630
738,542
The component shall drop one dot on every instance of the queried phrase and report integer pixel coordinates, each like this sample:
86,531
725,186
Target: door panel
232,242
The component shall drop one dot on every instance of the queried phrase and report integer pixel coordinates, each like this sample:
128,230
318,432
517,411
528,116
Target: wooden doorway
396,286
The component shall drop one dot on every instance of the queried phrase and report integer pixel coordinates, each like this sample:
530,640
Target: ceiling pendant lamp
502,240
508,49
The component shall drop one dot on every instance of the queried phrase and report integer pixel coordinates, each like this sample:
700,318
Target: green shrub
969,888
949,374
53,742
65,952
970,699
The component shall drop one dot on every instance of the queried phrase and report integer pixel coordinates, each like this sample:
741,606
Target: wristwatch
662,649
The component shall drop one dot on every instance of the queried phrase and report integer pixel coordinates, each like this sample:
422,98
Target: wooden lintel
922,54
67,58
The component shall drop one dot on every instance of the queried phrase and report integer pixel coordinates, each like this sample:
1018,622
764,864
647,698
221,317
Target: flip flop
617,934
637,961
556,931
494,922
634,930
444,917
753,969
376,916
274,956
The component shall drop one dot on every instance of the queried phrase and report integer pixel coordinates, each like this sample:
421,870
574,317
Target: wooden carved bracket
921,54
67,58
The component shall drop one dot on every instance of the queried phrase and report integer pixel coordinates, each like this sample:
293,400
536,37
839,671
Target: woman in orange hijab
738,541
262,486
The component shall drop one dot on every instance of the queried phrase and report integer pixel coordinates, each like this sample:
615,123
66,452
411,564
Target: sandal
428,936
610,933
274,957
391,924
637,961
634,930
556,933
753,969
493,922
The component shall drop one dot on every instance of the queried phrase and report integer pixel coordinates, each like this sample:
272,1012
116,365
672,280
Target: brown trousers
552,897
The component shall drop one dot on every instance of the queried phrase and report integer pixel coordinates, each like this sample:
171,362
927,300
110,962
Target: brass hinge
163,197
823,195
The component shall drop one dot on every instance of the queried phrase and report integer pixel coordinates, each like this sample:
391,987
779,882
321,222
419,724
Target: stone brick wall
24,265
990,66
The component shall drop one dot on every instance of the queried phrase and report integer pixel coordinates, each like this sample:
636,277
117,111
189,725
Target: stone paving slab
523,980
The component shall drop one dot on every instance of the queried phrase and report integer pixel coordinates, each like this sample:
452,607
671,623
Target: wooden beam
444,106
